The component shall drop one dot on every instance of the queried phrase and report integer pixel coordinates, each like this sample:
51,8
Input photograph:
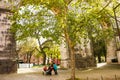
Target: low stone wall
8,66
84,62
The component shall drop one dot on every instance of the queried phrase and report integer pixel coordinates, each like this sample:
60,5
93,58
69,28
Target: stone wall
83,55
84,62
8,66
65,61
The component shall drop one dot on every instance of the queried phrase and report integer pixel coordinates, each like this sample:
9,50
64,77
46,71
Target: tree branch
105,6
116,6
46,41
37,49
67,1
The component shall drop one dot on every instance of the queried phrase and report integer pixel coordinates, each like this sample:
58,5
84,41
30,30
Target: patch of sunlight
28,70
101,64
87,70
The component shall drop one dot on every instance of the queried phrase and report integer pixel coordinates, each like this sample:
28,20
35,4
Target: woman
55,68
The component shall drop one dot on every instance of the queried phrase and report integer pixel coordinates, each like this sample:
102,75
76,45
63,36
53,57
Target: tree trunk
105,56
44,55
117,25
72,54
44,58
37,61
30,55
72,64
27,55
99,58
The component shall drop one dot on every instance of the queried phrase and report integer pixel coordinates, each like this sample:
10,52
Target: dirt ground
106,72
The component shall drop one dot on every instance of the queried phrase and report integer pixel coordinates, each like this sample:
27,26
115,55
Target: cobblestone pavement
108,72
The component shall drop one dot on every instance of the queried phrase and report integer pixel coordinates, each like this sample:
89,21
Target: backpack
55,66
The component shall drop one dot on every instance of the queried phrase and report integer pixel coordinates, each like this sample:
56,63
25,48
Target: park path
106,72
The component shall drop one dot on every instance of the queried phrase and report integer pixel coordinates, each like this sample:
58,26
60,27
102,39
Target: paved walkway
106,72
32,70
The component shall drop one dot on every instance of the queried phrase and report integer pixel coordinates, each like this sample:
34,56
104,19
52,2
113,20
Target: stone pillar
64,56
118,56
7,44
111,48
